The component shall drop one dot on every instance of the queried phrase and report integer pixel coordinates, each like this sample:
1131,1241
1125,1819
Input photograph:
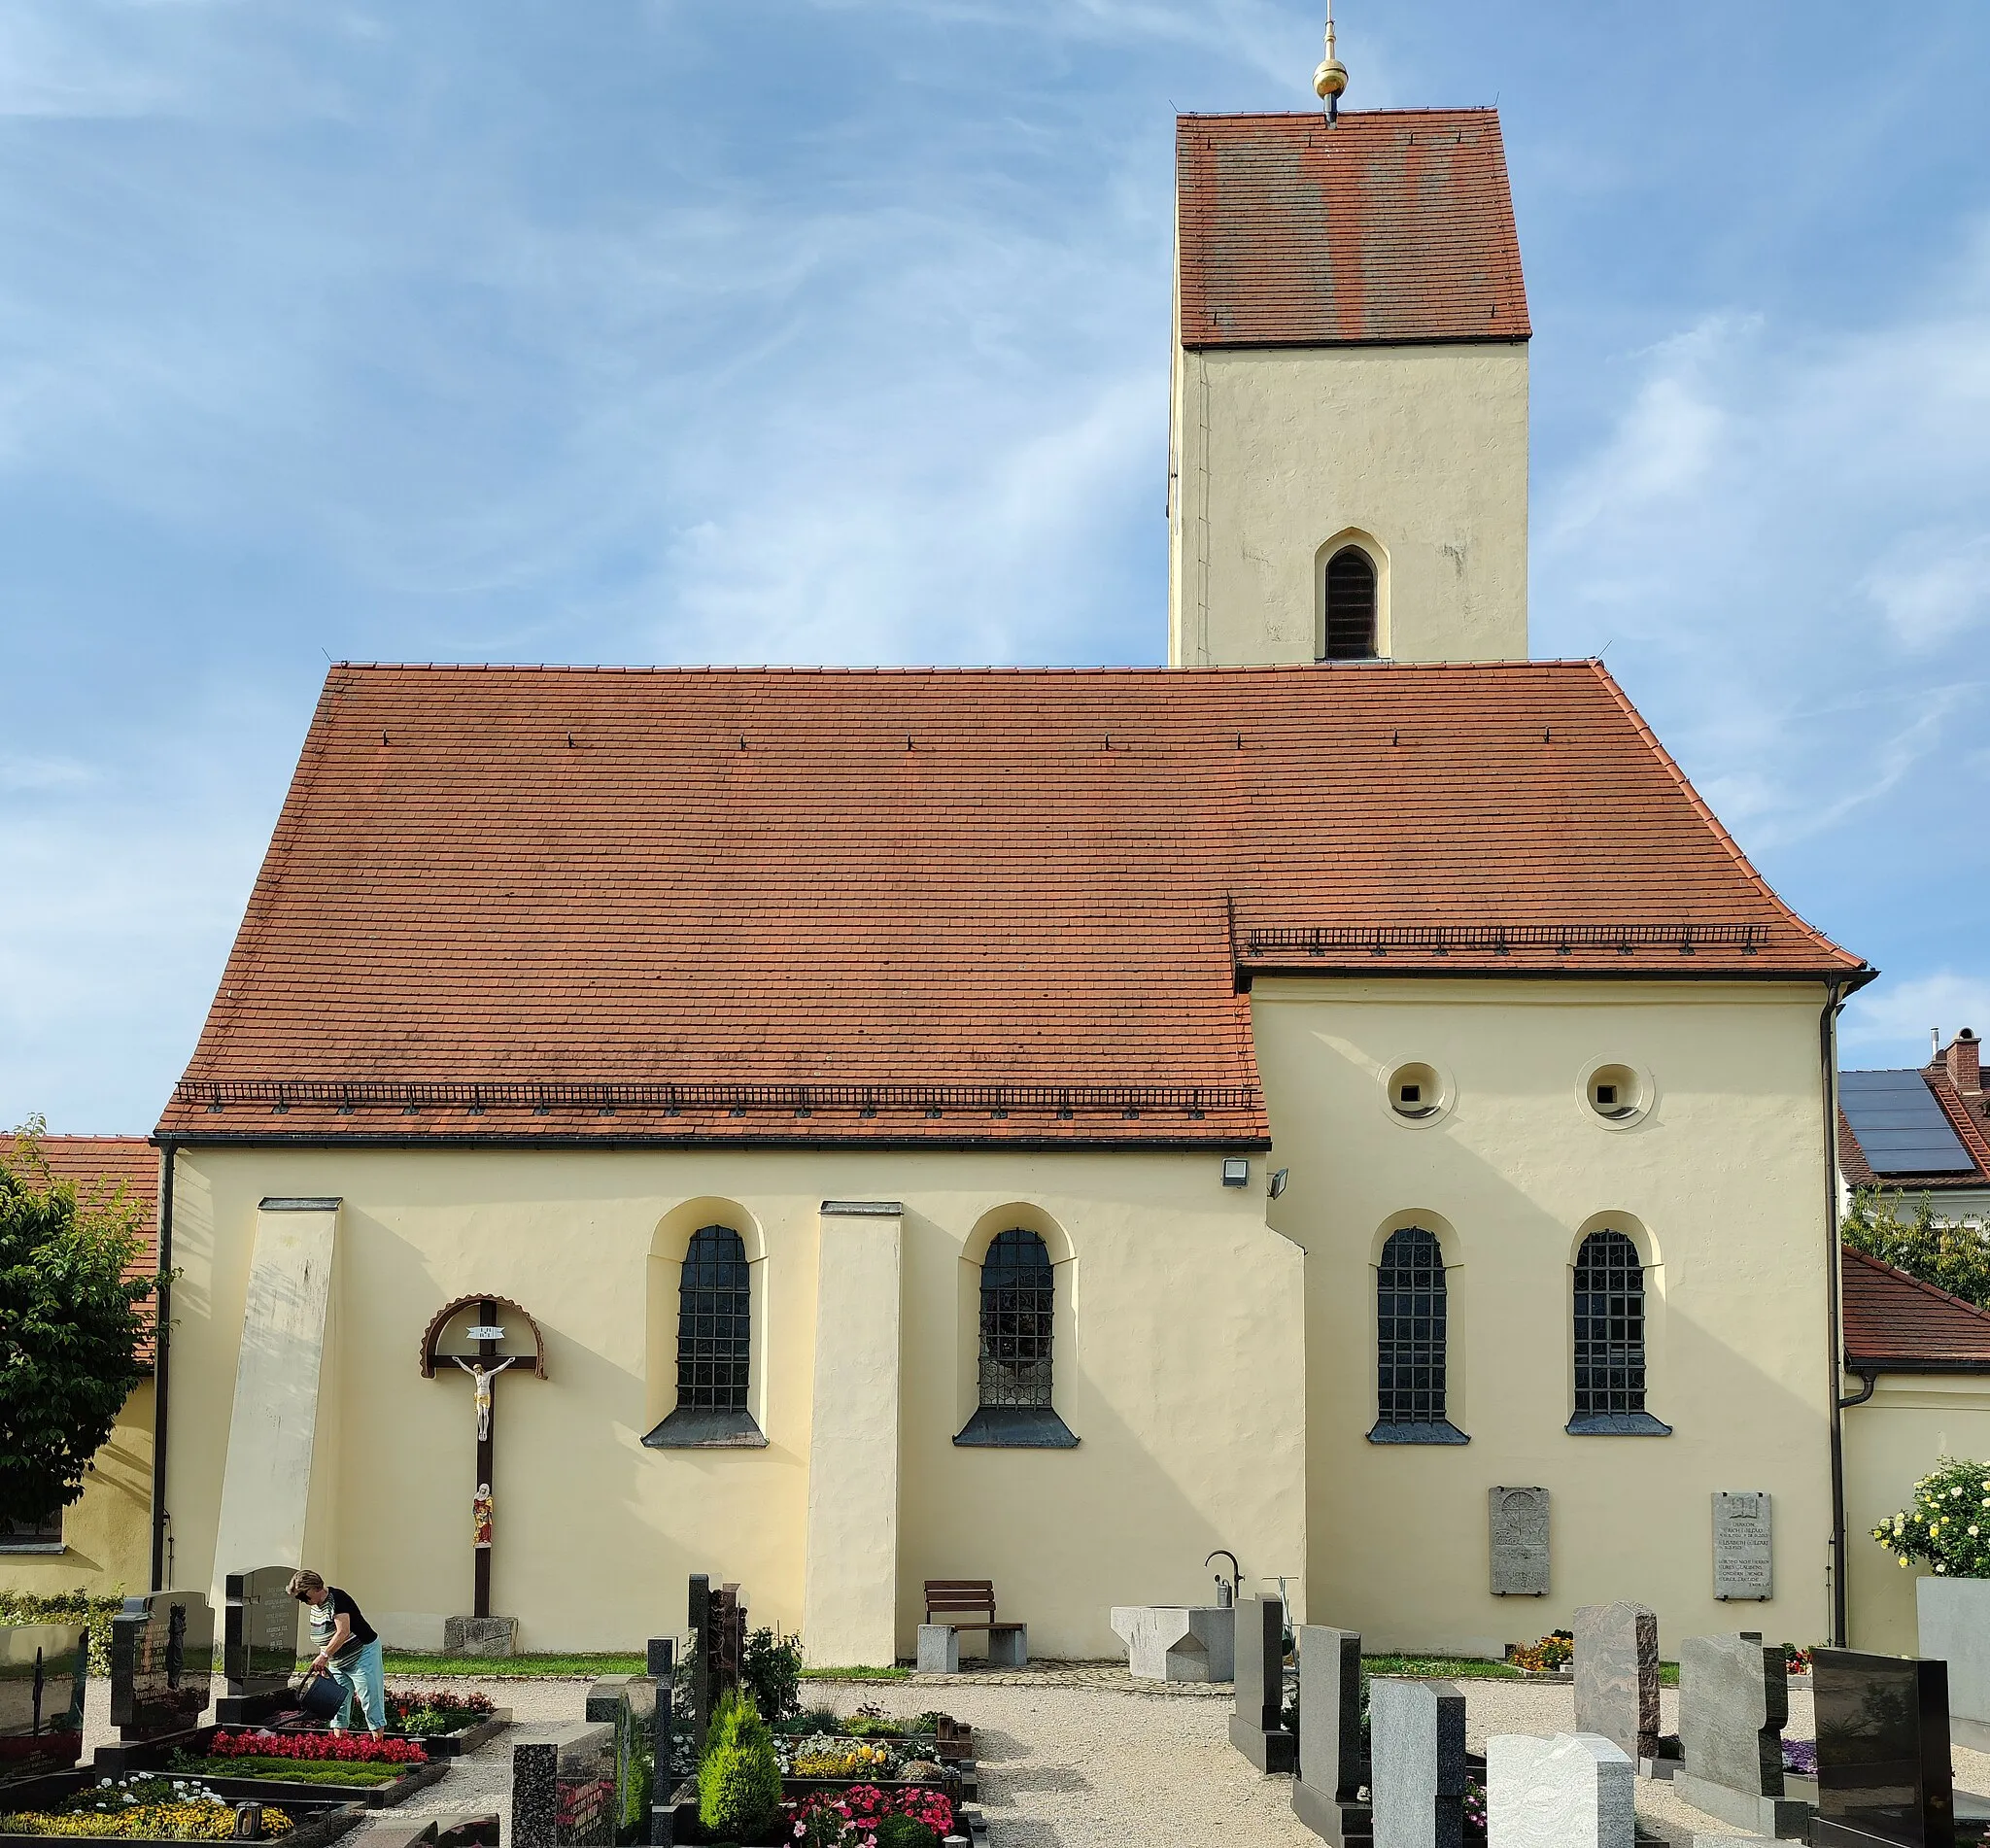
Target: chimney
1963,1056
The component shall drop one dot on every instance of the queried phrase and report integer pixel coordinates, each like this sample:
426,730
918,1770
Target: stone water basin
1177,1642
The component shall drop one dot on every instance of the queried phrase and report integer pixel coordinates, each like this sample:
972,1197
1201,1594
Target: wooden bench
950,1602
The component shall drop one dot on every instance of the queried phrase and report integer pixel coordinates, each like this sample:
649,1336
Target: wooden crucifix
485,1335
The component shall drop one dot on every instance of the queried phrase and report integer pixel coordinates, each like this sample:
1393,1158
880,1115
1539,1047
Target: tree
1952,1257
70,1327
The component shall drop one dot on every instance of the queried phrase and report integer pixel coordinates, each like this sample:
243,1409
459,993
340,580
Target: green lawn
1441,1667
893,1674
413,1664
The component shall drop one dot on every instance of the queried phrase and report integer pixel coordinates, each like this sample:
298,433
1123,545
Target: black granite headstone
1257,1726
1332,1765
564,1796
663,1670
1883,1768
44,1669
700,1617
258,1645
161,1660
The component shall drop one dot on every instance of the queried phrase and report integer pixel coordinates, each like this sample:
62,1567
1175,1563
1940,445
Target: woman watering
348,1650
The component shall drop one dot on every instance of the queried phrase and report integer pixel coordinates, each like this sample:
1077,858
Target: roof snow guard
935,907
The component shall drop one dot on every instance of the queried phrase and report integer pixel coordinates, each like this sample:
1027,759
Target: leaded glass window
1017,1289
714,1321
1350,606
1410,1317
1609,1327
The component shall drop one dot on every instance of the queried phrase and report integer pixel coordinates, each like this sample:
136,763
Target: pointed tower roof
1390,226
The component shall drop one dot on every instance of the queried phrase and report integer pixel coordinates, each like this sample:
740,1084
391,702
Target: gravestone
1257,1727
1743,1553
700,1646
1617,1678
1332,1766
663,1670
1884,1765
1519,1523
628,1704
564,1796
258,1645
44,1671
161,1663
1416,1763
1573,1791
1733,1702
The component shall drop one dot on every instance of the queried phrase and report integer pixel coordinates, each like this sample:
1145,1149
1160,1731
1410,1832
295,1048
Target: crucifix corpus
490,1322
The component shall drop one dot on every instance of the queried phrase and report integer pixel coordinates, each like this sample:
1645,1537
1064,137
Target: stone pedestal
1177,1642
939,1648
480,1637
1009,1646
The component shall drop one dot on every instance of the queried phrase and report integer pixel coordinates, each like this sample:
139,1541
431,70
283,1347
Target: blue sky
838,331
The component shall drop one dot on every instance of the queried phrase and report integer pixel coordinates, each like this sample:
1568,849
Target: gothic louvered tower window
1410,1330
714,1321
1017,1293
1609,1327
1350,606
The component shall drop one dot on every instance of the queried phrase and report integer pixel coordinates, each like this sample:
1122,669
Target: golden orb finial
1330,79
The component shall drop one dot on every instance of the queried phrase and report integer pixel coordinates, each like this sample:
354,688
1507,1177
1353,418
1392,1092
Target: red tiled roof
494,888
1896,1321
1970,1128
1394,226
101,1165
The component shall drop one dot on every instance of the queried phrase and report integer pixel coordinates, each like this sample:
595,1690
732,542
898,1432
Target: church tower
1348,453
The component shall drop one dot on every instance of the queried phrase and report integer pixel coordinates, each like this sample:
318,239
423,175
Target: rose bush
1947,1526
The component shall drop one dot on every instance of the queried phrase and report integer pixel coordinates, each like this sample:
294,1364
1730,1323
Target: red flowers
341,1748
866,1806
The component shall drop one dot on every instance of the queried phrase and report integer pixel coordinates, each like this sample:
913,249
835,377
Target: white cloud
1889,1023
1934,586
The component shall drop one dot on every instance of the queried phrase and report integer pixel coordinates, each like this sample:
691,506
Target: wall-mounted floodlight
1278,1182
1236,1170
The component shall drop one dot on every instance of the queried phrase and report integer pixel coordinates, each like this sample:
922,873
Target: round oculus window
1416,1092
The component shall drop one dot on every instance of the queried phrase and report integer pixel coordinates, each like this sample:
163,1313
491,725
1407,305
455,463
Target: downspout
163,1322
1871,1375
1827,1050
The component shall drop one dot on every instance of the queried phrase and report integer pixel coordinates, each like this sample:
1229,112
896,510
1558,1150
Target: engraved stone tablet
1741,1546
1520,1542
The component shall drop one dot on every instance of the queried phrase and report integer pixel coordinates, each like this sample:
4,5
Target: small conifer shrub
740,1779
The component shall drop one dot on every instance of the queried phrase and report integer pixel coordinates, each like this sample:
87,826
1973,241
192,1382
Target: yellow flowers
202,1820
852,1761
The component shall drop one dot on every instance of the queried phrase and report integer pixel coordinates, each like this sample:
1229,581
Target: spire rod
1330,79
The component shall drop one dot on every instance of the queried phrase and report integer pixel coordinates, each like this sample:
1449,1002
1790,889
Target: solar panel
1899,1126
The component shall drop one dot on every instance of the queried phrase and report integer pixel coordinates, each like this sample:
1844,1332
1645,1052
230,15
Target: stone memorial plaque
44,1669
1416,1773
1617,1677
161,1660
1883,1766
1518,1519
1742,1550
260,1625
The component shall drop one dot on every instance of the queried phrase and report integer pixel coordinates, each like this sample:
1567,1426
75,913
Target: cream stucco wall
1722,1182
1178,1365
1419,452
1911,1421
106,1531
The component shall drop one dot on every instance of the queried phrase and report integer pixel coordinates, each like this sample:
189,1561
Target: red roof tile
771,896
1395,225
1895,1321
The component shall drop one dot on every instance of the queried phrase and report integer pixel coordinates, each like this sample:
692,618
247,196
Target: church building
1044,1126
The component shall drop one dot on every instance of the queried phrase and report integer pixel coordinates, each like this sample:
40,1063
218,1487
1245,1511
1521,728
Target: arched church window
1018,1292
714,1322
1411,1313
1351,606
1609,1340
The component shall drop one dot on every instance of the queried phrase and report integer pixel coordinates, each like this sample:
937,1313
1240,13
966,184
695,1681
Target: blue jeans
363,1678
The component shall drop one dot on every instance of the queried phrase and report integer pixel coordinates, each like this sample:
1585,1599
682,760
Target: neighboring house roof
102,1165
1394,226
1893,1322
1881,1146
519,903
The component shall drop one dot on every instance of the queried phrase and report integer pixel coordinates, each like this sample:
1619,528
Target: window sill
1442,1432
33,1546
1016,1428
1616,1424
699,1427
